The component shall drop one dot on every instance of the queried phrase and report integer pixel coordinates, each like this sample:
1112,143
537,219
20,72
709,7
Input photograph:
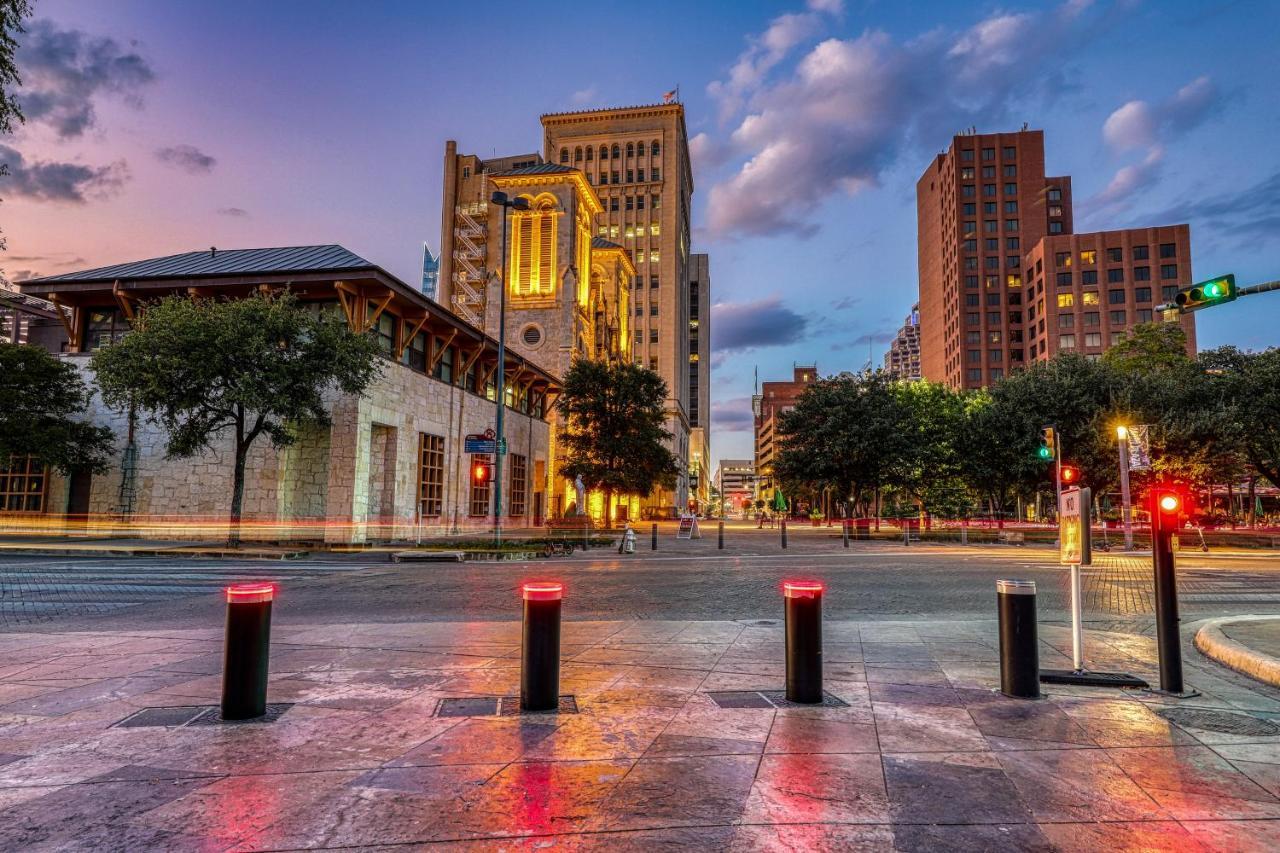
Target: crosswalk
37,589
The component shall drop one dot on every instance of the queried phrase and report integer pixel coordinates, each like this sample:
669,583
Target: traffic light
1215,291
1169,502
1046,444
481,473
1070,475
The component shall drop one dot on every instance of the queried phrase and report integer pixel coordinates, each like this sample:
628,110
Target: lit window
1088,256
1066,300
1090,297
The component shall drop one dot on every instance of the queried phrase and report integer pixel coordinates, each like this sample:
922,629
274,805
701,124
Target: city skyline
133,150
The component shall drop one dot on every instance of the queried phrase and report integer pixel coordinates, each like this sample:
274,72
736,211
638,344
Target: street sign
1139,448
1070,537
480,443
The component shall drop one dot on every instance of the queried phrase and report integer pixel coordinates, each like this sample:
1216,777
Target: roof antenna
213,251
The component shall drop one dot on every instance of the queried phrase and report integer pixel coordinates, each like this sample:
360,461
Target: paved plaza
393,726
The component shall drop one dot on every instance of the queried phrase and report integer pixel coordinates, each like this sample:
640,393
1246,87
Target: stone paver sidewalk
923,755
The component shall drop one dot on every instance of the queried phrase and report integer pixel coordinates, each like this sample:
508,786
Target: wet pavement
922,755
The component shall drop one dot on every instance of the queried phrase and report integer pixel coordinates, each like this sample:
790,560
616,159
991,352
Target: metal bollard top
1016,587
250,593
803,589
542,591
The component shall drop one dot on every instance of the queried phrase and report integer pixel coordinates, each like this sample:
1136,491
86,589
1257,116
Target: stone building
699,380
392,464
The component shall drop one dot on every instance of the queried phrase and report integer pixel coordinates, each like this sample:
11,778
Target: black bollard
720,537
845,530
246,650
784,533
540,650
654,543
1019,652
804,640
1168,644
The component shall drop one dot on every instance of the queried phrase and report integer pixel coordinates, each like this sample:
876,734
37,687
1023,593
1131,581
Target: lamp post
1122,436
507,204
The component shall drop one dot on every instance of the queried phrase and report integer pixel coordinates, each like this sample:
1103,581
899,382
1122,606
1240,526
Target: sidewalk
1248,644
916,752
74,546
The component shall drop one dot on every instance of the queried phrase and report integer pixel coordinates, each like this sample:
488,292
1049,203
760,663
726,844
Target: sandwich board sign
688,528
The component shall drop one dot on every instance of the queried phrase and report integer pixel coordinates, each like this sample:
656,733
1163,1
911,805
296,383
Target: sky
163,126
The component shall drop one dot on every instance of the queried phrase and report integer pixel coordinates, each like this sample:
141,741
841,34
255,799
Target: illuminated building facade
699,380
773,399
902,361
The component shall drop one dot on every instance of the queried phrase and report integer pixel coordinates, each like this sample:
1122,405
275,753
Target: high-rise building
699,379
992,231
902,361
637,159
1085,291
430,272
773,399
736,482
980,206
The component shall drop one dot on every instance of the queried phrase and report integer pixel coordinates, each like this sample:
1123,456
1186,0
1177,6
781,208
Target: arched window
532,265
590,151
577,155
654,148
631,149
604,152
564,155
617,151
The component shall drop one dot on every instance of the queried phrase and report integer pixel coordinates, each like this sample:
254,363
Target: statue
582,495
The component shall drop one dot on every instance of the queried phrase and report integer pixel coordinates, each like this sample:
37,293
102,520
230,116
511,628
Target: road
682,580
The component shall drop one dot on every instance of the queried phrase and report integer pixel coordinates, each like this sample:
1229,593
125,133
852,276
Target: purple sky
158,127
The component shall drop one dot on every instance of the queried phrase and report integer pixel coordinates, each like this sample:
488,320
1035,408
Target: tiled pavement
926,756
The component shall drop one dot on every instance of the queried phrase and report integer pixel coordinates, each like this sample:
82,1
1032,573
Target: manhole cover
494,706
167,717
1226,722
769,699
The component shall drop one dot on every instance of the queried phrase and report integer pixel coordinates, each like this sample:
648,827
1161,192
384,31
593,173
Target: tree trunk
237,485
1253,501
608,508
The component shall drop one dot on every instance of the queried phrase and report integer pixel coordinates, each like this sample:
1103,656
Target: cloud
850,108
846,303
748,325
732,415
54,181
188,158
879,336
583,96
1249,215
1150,127
64,70
238,212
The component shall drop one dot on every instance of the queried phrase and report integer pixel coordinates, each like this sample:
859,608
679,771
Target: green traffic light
1213,290
1045,452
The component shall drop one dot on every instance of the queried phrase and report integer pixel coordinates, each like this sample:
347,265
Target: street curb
1214,644
156,552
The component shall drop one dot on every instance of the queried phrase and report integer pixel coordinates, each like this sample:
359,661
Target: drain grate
769,699
1226,722
193,715
495,706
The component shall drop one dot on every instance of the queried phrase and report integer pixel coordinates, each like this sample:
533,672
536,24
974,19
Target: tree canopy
612,431
255,366
42,403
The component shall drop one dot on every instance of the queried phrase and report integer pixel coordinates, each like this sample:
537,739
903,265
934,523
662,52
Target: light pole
1122,435
500,198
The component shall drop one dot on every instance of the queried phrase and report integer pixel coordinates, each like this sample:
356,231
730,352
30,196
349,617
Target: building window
972,319
1013,280
996,374
1144,315
1088,276
1063,259
995,355
993,263
1011,225
993,244
1169,292
519,485
1092,318
1093,339
1012,243
1055,227
1013,261
1117,318
1064,279
1010,207
975,356
631,176
1011,171
990,226
1066,341
1066,321
384,331
103,327
970,209
415,354
653,282
974,374
444,365
653,363
613,205
989,207
971,281
966,173
988,189
1141,253
993,318
1055,194
1168,271
988,154
971,299
966,155
1115,256
1010,189
653,174
1010,152
23,484
1142,294
1115,297
993,299
1115,276
653,336
532,270
1090,297
1117,337
653,309
1168,250
430,475
1066,300
654,149
967,191
1088,256
564,155
478,506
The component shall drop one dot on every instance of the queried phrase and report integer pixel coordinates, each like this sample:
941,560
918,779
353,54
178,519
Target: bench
1011,537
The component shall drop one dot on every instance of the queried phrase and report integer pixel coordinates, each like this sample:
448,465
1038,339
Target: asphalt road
682,580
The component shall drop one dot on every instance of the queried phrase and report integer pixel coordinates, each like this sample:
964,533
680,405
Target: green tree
1246,388
254,366
1000,443
929,470
11,14
1149,348
849,432
42,402
612,431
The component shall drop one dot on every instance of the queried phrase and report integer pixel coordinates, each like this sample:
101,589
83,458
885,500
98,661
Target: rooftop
214,262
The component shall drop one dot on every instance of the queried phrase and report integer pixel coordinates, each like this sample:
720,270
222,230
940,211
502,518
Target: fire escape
469,257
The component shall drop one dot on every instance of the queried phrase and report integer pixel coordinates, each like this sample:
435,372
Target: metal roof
540,169
602,243
215,262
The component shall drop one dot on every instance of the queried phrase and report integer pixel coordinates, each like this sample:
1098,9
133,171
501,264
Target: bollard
246,650
845,529
784,533
654,543
803,620
1019,652
540,647
720,537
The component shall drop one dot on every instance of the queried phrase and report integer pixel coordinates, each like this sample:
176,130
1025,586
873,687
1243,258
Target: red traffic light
1169,502
1070,475
480,472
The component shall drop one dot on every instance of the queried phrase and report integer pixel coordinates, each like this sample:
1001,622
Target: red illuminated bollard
804,640
540,658
246,651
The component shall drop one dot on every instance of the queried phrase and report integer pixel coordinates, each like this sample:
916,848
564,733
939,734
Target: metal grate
1226,722
769,699
495,706
193,715
213,716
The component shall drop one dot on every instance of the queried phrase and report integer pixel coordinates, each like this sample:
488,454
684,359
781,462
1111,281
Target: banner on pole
1139,448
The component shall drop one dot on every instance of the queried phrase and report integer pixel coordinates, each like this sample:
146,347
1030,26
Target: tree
999,444
612,431
930,468
254,366
1246,385
41,402
11,14
1149,348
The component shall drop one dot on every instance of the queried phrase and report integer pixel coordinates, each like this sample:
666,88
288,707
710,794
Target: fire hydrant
628,540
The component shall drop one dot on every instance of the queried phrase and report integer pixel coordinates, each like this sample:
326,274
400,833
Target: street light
500,198
1122,436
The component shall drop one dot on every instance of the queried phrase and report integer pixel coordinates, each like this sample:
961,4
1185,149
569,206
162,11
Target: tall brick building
773,399
991,226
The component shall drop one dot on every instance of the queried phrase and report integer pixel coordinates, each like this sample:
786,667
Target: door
79,488
537,509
